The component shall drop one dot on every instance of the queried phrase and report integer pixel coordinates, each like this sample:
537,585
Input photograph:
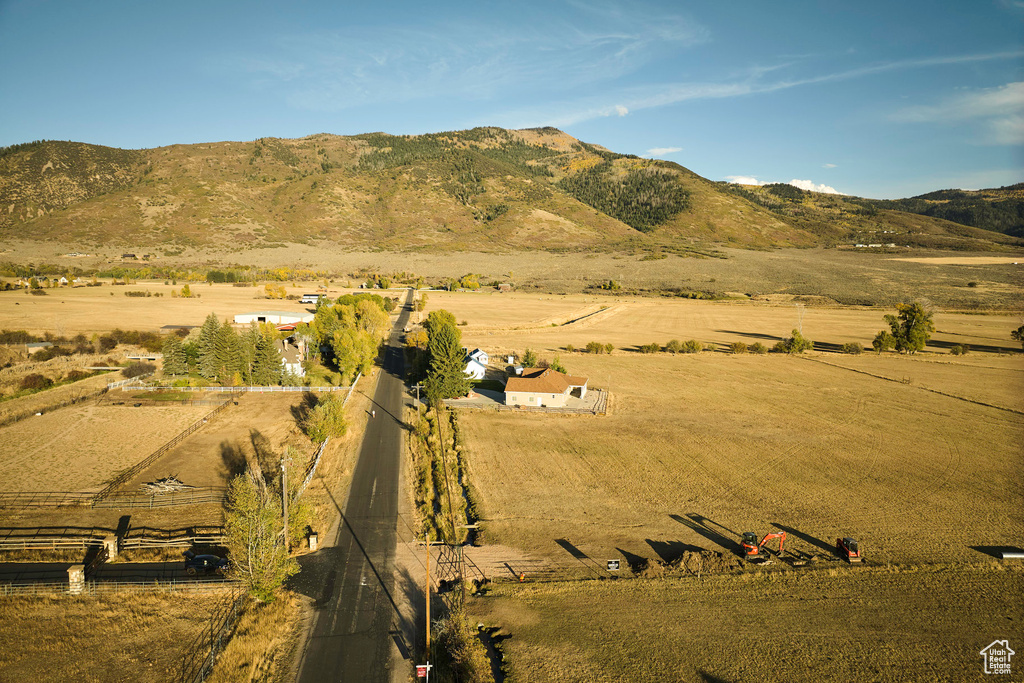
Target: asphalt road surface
349,639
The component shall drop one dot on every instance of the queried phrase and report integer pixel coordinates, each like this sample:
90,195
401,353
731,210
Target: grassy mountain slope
999,209
482,189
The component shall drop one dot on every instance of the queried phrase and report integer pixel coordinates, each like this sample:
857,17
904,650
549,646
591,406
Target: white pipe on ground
1012,555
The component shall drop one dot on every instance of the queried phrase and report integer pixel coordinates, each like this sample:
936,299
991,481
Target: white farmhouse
475,369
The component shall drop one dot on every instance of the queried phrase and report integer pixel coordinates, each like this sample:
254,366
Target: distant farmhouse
476,364
543,387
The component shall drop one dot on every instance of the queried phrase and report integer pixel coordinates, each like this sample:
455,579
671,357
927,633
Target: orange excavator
754,551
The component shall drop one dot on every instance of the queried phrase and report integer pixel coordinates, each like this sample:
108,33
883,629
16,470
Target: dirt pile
691,562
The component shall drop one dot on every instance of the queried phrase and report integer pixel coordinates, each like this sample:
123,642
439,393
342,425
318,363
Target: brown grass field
545,322
122,638
701,448
80,447
852,624
918,457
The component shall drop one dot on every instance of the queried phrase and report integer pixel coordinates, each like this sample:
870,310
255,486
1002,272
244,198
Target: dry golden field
840,624
847,276
499,322
699,448
80,447
89,310
130,638
918,457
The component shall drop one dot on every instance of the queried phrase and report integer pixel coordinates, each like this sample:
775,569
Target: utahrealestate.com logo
997,657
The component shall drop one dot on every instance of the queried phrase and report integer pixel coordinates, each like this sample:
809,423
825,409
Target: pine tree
267,362
447,372
175,362
226,352
207,346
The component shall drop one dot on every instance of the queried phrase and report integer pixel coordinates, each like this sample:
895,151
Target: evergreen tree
248,343
447,372
175,362
267,362
226,352
208,334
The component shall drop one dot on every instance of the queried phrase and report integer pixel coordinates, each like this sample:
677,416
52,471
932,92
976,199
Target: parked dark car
204,564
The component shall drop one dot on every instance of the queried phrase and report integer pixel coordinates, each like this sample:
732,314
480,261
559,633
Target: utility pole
428,602
417,388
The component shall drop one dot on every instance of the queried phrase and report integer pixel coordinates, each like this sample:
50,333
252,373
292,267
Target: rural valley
619,422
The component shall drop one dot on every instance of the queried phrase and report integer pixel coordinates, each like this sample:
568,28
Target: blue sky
868,98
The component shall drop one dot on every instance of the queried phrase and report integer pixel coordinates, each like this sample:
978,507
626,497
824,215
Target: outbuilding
275,317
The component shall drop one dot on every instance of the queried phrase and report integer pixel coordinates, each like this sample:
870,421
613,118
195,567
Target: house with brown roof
538,387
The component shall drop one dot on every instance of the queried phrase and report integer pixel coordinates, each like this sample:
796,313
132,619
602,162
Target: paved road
349,639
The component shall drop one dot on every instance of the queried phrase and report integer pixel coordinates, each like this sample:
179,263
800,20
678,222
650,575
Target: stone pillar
110,546
76,579
313,541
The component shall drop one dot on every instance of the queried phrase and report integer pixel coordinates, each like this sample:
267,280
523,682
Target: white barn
274,317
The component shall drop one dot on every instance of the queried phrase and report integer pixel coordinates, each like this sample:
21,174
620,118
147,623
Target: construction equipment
848,549
754,551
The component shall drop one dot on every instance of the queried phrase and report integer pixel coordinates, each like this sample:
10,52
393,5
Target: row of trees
221,354
345,335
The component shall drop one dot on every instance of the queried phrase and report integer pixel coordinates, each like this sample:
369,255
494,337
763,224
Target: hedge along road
349,639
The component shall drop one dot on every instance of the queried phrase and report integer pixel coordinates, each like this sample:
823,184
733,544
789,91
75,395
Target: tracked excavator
757,552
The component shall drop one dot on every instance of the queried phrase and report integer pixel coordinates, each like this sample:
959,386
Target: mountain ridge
479,189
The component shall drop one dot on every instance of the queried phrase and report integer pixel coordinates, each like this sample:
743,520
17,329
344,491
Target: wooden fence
52,538
131,472
146,537
600,406
125,382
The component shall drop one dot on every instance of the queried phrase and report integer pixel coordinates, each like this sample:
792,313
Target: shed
275,317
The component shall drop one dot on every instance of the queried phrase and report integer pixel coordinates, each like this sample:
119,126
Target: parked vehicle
205,564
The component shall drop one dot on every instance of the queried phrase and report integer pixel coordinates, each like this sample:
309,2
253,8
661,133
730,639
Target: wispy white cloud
999,108
743,180
567,113
471,59
828,166
662,151
1005,100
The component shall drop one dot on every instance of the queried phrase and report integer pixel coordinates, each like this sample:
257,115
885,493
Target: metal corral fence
203,651
122,478
146,537
192,496
65,499
260,390
113,587
45,499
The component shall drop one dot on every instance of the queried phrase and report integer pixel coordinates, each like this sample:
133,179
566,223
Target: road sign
613,565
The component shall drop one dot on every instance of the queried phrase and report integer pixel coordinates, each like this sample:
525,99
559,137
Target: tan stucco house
543,387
